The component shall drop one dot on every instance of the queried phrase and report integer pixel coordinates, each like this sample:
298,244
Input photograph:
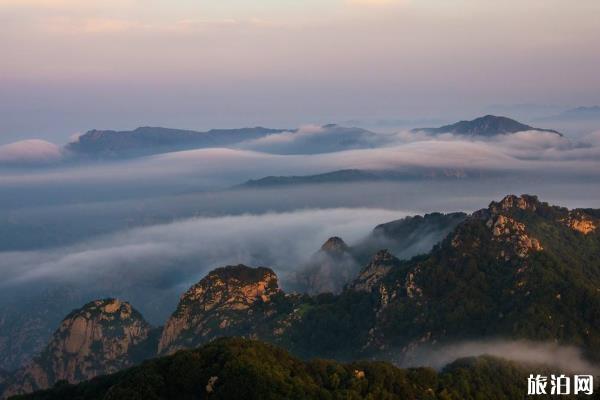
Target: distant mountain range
354,175
591,113
487,126
518,269
344,175
108,144
155,140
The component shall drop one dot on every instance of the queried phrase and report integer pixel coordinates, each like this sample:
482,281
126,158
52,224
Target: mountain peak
231,287
486,126
214,302
335,244
379,266
523,202
93,340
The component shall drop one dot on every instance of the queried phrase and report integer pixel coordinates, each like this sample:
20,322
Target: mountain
328,270
102,337
244,369
27,322
229,301
316,140
355,175
575,114
155,140
368,278
336,264
487,126
345,175
520,269
408,237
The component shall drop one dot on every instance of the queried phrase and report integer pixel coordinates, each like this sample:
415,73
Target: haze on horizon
68,66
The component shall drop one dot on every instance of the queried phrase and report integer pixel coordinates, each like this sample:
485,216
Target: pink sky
71,65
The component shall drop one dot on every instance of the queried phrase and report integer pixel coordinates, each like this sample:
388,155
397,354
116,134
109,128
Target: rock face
94,340
221,302
335,245
581,222
493,275
518,269
375,271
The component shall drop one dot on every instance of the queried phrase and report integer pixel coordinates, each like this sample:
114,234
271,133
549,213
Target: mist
534,156
152,266
566,358
146,229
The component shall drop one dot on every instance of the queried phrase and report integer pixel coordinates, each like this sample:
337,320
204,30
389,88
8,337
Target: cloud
32,151
314,149
314,139
566,358
279,240
152,266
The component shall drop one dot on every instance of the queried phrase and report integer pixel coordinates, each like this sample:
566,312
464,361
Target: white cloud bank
32,151
314,150
566,358
194,246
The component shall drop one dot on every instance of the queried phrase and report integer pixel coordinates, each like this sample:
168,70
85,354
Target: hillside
336,264
244,369
103,336
519,269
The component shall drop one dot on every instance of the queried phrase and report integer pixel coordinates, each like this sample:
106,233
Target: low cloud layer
525,152
314,139
565,358
30,152
174,256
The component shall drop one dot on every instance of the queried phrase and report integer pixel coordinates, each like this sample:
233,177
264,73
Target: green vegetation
245,369
474,285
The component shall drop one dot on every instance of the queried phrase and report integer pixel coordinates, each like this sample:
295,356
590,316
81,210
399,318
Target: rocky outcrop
221,302
328,270
524,202
335,245
507,231
375,271
94,340
508,270
581,222
511,236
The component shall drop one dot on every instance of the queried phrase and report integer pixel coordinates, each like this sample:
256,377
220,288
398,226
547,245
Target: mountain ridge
154,140
486,126
518,269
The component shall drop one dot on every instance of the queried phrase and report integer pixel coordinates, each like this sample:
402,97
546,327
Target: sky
68,66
